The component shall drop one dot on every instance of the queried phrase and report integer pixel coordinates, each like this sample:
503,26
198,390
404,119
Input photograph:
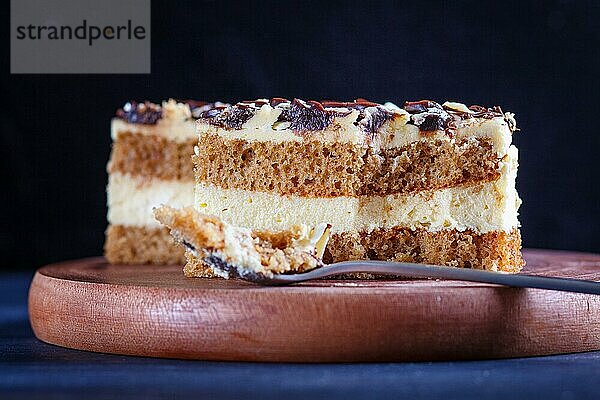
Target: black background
537,59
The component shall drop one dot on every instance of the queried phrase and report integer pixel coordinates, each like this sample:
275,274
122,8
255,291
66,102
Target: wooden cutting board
155,311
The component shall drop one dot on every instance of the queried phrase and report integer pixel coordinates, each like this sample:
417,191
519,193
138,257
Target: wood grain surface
155,311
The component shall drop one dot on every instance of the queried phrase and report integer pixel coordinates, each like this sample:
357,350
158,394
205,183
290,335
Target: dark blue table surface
31,369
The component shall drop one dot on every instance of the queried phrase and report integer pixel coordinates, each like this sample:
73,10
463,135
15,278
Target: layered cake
424,182
150,164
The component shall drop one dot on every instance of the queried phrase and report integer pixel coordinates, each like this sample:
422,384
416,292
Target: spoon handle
411,270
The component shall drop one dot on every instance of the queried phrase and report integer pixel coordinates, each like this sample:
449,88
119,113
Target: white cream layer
176,130
263,126
486,207
131,198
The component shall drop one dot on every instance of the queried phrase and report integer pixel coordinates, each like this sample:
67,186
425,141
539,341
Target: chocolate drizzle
145,113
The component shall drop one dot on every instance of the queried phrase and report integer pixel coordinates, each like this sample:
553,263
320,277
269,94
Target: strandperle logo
80,36
85,31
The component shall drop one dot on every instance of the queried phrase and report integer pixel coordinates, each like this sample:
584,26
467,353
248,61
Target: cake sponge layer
152,156
493,251
320,169
141,245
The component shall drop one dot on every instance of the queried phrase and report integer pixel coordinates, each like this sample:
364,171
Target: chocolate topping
198,107
306,116
370,119
429,116
433,122
416,107
358,104
275,101
211,113
483,112
309,116
146,113
149,113
237,117
303,116
229,117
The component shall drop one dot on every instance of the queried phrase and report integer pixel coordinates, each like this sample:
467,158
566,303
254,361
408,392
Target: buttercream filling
176,130
131,198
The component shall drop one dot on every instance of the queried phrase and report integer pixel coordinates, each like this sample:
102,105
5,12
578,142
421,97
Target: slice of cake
238,252
424,183
149,165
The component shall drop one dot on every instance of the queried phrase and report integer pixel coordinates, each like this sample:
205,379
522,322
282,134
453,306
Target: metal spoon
411,270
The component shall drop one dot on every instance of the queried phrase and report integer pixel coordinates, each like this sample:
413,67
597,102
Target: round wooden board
155,311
